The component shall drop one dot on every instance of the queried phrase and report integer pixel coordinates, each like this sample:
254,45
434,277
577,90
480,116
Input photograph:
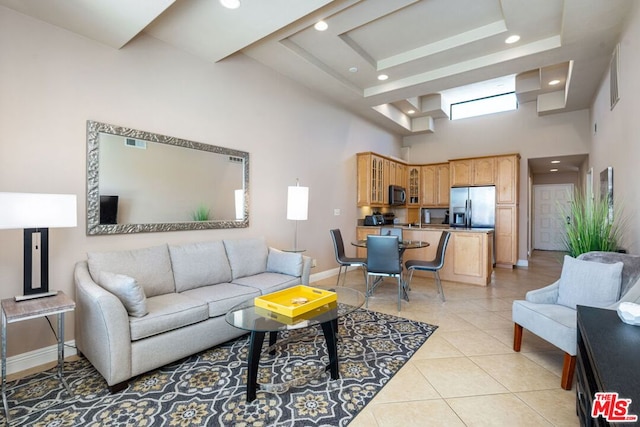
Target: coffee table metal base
330,331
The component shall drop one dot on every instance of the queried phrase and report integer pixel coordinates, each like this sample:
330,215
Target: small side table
13,311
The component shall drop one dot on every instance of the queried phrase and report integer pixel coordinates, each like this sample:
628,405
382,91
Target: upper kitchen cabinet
468,172
414,196
434,185
507,178
371,180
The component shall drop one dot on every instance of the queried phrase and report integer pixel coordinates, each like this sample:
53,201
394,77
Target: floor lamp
297,207
36,213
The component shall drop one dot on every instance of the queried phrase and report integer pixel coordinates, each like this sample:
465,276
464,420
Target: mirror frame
94,129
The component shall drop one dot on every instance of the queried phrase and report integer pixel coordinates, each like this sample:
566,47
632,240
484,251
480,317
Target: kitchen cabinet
434,185
507,178
507,199
468,172
371,180
414,196
506,230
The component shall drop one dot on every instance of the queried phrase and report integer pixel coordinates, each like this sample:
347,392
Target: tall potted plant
590,227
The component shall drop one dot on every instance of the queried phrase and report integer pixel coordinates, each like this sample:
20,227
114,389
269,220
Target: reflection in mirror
139,181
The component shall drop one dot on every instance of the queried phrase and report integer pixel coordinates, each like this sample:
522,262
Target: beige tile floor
467,374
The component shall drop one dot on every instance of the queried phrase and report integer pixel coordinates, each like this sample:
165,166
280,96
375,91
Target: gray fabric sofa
141,309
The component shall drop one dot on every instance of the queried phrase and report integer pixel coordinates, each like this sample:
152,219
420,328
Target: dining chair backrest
391,231
383,255
338,244
442,247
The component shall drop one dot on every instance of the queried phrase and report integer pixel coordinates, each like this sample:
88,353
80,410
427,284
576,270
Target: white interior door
549,203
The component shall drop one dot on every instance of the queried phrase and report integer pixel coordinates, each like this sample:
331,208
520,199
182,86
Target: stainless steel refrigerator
473,207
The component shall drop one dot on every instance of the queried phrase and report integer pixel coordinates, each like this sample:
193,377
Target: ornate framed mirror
139,181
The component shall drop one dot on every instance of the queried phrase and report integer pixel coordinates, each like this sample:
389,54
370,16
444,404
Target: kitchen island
469,256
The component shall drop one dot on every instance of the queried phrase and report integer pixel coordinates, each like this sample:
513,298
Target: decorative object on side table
36,213
629,313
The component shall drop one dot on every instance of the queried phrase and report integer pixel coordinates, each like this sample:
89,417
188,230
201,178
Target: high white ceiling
426,47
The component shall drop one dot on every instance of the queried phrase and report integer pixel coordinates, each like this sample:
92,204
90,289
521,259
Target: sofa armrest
546,295
306,270
101,328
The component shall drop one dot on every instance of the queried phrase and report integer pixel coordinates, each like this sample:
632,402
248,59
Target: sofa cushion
588,283
167,312
268,282
222,297
151,267
127,290
199,264
246,256
284,262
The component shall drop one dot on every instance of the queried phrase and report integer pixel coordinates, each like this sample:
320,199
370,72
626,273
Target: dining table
403,245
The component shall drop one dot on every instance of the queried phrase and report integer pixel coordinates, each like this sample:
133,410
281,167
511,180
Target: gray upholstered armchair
546,312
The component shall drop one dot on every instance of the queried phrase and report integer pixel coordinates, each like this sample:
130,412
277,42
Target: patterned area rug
208,389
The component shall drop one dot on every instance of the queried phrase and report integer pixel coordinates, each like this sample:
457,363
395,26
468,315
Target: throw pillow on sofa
127,290
589,283
247,256
284,262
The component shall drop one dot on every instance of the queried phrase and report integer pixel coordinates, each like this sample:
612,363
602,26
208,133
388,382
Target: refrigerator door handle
469,213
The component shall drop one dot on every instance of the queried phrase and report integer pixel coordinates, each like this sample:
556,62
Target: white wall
520,131
617,140
52,81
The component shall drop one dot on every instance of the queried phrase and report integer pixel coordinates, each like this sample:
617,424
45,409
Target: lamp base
34,296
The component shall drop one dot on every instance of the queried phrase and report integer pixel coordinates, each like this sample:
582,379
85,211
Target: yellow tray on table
294,301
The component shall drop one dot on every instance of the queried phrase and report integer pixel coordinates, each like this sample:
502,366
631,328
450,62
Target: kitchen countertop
438,227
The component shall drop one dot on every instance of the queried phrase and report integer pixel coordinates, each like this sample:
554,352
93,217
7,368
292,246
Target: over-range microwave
397,195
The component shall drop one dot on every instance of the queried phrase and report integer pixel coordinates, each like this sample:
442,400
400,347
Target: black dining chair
383,260
391,231
434,265
343,260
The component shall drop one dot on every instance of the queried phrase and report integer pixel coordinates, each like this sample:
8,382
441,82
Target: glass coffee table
259,321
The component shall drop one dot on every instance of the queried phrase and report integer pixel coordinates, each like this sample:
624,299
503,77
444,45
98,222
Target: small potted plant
201,213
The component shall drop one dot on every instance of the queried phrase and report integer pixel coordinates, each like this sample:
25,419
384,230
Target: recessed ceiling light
321,26
554,82
512,39
353,69
230,4
555,162
553,170
383,77
411,112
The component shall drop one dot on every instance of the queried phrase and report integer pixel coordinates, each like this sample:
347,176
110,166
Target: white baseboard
32,359
522,263
323,275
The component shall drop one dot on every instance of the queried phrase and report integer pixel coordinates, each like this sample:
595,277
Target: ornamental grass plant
591,228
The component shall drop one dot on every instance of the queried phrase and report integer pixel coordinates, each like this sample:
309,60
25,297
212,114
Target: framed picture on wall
606,189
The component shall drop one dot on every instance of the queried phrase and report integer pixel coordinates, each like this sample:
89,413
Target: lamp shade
33,210
297,203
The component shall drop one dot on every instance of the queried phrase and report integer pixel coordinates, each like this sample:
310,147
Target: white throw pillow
127,290
590,283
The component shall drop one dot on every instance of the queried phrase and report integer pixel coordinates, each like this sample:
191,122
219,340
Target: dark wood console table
608,360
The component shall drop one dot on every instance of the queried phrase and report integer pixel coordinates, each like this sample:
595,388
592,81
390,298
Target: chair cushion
246,256
199,264
284,262
151,267
552,322
127,290
588,283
